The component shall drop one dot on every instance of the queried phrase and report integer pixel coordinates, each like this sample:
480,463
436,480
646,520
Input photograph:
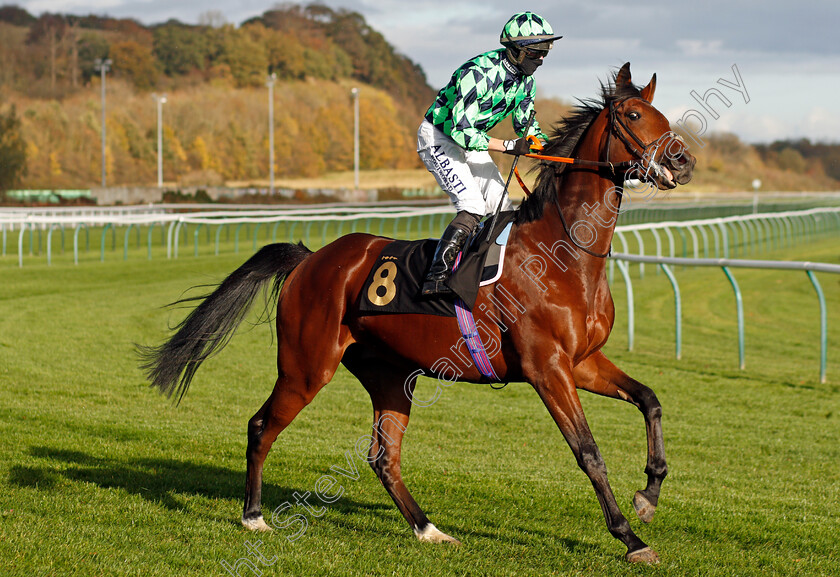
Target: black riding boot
451,242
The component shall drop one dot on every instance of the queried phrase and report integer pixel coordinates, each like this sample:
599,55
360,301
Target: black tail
208,328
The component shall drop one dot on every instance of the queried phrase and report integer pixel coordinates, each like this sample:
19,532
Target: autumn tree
71,39
12,151
16,16
92,47
136,62
128,29
373,60
48,33
790,159
301,47
285,50
245,56
180,49
14,56
827,155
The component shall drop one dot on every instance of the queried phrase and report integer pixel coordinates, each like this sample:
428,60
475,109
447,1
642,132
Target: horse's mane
564,140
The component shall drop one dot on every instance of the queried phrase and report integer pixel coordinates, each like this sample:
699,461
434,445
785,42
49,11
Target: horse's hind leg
386,384
288,398
311,341
300,377
598,375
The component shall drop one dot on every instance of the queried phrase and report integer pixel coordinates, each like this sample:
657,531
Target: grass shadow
33,477
165,482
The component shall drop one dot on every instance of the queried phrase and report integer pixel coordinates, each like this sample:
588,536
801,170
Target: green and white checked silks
480,94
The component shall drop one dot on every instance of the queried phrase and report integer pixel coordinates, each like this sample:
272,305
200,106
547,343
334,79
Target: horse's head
621,134
641,135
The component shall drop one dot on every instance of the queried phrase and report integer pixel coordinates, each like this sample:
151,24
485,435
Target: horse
549,314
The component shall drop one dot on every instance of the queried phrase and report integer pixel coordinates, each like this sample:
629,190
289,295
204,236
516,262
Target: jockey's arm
496,145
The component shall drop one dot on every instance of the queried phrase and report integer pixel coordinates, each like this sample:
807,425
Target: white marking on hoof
257,524
432,534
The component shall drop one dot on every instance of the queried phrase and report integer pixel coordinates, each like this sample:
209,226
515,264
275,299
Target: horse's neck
589,204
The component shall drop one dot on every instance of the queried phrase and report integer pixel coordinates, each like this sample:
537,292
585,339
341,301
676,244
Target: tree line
54,54
215,121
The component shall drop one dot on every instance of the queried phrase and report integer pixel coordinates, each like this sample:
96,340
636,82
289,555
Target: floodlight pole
272,78
160,101
103,65
355,94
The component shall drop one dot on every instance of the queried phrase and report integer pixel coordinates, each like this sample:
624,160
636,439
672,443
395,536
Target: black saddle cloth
393,284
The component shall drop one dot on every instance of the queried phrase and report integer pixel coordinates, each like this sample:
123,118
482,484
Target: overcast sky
786,52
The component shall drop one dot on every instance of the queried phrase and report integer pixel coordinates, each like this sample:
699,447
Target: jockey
453,142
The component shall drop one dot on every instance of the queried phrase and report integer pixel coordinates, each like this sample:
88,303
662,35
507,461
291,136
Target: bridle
616,121
619,129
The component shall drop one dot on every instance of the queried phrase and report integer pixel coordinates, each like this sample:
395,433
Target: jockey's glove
518,147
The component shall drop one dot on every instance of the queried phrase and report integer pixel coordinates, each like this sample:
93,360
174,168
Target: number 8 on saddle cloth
393,284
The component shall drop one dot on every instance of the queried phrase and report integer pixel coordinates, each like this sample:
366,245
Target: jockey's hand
518,147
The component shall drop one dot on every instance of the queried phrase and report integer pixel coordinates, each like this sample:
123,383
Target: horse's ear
623,77
647,91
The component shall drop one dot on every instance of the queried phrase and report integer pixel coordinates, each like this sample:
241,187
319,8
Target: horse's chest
597,329
599,318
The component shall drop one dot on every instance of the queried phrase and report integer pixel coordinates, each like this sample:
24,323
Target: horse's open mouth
665,179
660,176
673,171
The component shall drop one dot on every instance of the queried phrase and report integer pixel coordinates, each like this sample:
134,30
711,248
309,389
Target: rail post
823,325
739,308
677,309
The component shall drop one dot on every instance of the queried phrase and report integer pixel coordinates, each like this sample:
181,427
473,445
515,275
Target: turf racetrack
99,475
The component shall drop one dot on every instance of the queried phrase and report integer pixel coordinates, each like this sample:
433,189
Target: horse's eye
634,115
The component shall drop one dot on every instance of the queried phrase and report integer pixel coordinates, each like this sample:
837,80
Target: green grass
100,476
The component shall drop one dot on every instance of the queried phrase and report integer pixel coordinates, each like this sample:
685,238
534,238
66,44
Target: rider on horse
453,142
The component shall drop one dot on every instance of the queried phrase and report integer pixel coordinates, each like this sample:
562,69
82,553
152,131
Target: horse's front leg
598,375
557,389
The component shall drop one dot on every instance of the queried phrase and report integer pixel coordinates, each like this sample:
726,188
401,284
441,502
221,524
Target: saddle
393,284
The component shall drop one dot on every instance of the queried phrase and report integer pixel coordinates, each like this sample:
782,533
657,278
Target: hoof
646,555
256,524
431,534
644,508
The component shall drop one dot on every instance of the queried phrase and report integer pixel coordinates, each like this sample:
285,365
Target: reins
613,166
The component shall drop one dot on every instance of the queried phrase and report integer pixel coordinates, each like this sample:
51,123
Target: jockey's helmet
527,31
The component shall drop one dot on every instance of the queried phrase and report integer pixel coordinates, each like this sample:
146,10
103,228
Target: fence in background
729,236
298,224
718,237
725,265
693,207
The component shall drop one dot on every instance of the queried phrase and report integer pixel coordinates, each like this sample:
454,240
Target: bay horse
548,315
